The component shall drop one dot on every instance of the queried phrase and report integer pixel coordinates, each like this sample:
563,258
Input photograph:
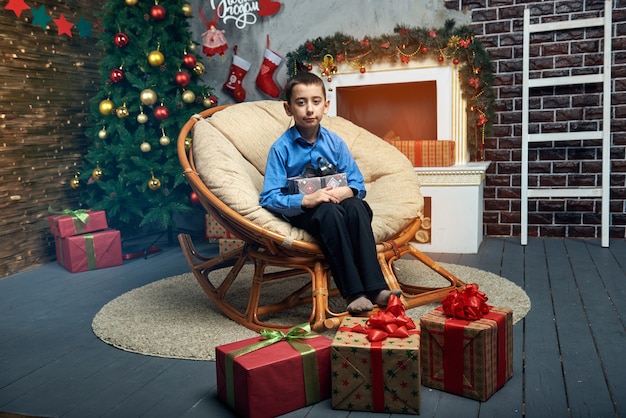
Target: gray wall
302,20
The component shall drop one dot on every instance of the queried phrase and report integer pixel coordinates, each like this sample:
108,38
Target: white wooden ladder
604,133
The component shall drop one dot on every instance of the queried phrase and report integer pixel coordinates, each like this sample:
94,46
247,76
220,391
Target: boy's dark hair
303,78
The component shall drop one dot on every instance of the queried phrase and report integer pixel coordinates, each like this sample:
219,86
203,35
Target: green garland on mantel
448,44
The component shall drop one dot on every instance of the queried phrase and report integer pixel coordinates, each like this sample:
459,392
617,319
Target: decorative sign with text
244,12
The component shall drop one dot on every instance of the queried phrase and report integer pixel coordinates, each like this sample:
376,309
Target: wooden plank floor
569,351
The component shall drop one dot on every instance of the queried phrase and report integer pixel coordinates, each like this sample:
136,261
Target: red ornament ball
157,12
116,75
121,39
182,78
193,198
161,112
362,70
440,58
424,50
455,61
189,61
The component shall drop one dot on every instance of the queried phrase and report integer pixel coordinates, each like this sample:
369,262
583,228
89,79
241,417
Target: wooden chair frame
264,248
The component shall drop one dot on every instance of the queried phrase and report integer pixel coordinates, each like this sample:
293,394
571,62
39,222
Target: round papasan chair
223,152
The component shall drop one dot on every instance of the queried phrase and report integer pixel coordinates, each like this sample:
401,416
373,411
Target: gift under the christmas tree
75,222
89,251
213,230
468,357
373,371
274,374
227,244
308,185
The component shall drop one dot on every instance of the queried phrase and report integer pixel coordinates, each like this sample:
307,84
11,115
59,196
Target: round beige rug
174,318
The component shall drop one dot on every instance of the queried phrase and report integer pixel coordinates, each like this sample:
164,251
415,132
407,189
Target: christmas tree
150,88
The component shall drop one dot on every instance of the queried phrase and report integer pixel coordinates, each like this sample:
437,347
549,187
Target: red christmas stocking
238,71
265,79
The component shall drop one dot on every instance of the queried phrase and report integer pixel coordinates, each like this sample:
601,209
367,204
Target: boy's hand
327,194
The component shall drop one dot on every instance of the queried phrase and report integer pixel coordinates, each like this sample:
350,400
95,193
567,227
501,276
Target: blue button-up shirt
289,156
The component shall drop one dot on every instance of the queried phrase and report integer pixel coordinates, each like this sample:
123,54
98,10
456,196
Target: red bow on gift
392,322
469,304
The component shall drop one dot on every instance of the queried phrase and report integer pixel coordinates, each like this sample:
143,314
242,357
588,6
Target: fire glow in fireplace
423,101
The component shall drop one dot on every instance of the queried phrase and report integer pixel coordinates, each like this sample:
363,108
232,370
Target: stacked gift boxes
225,239
267,376
468,357
84,242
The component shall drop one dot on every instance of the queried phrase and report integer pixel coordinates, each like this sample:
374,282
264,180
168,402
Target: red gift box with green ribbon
89,251
75,222
275,373
375,363
467,345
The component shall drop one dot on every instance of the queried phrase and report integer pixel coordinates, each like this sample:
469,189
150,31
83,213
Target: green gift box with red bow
467,345
375,363
275,373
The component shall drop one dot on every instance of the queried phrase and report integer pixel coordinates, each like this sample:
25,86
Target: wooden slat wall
46,81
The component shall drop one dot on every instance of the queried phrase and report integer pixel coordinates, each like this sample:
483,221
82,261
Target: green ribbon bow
80,214
272,336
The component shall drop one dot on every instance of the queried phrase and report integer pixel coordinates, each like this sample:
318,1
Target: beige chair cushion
230,150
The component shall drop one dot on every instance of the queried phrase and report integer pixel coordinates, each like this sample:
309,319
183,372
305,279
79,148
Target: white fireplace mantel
456,221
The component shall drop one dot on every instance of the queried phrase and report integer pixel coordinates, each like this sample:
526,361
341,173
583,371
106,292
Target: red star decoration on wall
64,27
18,6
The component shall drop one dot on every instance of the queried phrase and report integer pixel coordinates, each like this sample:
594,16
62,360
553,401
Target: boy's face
307,105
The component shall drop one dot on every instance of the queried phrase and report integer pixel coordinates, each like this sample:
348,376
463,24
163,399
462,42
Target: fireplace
421,101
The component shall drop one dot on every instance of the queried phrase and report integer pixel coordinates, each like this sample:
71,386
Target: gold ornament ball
156,58
96,173
102,133
187,10
106,107
164,140
148,97
142,118
131,2
122,112
187,143
189,96
154,183
198,69
207,102
75,183
145,147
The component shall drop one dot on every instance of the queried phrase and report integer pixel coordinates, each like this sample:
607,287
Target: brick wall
498,25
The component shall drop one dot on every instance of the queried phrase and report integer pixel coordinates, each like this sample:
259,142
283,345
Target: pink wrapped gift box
81,222
89,251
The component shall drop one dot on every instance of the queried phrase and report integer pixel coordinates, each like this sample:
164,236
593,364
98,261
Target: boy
338,218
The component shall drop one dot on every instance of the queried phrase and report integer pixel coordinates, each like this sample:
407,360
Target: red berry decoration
116,75
189,61
121,39
161,112
182,78
157,12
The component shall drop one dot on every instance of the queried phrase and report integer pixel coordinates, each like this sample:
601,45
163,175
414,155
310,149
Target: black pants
344,233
